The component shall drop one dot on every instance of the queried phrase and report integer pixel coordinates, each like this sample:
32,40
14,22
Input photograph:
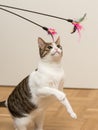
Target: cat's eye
59,46
49,47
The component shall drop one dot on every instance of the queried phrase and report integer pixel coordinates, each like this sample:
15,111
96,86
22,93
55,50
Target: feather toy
76,23
77,26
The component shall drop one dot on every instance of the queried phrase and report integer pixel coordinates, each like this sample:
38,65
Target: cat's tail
3,104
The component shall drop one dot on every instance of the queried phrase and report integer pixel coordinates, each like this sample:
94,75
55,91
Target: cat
34,94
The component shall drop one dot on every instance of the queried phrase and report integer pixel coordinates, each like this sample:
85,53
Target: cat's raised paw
73,115
61,97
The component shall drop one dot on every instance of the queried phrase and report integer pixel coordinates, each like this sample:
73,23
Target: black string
22,17
68,20
44,28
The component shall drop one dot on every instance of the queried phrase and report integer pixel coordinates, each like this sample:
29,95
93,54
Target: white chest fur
47,75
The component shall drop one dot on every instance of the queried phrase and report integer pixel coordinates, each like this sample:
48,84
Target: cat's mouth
56,53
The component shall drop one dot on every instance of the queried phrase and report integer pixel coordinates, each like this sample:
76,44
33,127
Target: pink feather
78,28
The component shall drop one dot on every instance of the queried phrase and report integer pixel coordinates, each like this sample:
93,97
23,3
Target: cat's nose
56,49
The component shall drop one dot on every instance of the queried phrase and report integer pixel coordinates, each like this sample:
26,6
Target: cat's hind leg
21,128
38,121
21,123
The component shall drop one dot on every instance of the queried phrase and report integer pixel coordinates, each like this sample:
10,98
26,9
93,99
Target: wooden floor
84,102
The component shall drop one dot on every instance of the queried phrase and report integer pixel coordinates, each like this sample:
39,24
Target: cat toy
76,23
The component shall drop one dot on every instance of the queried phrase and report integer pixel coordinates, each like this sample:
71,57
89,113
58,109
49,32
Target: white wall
18,41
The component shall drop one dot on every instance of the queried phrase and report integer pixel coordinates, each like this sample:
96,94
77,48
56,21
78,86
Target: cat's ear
41,43
58,41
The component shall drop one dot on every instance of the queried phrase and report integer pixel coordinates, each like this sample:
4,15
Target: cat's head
50,51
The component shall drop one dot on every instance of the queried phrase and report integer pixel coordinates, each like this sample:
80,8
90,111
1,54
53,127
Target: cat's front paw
73,115
61,97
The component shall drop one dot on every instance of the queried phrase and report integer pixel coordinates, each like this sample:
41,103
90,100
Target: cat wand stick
49,30
30,11
75,23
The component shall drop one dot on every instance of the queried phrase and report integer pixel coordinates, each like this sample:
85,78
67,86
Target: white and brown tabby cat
31,97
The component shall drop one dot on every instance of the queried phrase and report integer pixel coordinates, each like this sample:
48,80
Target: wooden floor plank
84,102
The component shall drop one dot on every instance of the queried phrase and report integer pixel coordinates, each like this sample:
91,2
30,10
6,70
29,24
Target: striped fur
45,51
19,102
3,104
